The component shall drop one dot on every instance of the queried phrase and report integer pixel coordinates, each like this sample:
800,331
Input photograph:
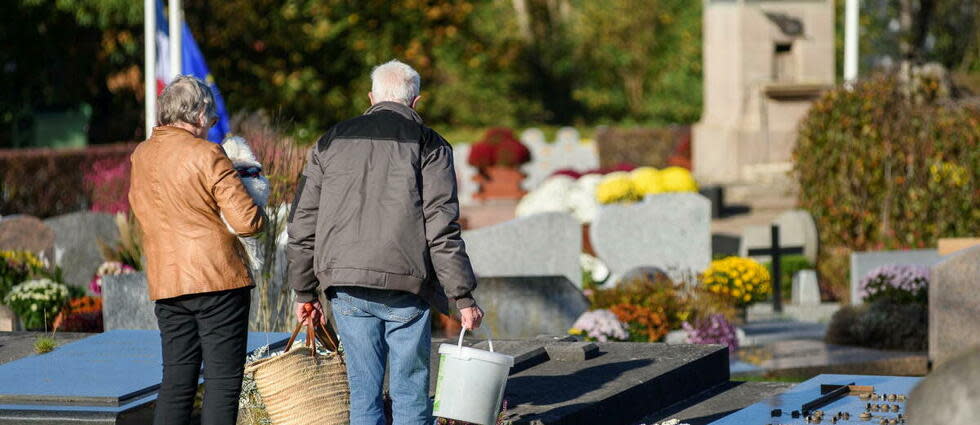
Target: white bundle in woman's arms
250,171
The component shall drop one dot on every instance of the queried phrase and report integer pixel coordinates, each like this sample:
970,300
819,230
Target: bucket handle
463,332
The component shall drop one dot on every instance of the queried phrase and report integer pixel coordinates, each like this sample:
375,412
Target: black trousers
212,327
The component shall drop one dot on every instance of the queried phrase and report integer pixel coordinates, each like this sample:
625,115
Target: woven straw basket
301,387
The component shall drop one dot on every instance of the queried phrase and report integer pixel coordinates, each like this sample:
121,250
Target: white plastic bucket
471,382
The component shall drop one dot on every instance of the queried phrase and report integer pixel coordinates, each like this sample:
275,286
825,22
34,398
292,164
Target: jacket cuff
305,297
465,301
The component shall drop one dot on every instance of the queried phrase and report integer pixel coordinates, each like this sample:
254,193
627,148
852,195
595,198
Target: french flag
193,63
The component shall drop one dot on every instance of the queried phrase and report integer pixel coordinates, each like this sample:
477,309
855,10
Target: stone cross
776,252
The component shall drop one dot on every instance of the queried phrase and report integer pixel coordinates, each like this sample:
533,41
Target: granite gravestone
546,244
954,305
864,262
567,152
27,233
669,231
525,307
806,290
76,237
796,228
126,303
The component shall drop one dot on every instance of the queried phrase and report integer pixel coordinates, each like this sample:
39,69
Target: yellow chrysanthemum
615,187
647,181
677,179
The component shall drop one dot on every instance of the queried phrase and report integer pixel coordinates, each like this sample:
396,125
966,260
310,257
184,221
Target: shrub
879,169
881,325
46,182
650,146
714,329
37,302
743,280
899,284
44,344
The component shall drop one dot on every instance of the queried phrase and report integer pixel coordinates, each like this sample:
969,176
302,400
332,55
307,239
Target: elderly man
181,187
375,224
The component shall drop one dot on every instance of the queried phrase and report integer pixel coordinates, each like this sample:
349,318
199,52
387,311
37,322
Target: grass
44,344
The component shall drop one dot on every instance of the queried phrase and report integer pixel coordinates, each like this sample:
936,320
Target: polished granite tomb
108,378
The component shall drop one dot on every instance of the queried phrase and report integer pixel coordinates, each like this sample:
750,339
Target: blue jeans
376,326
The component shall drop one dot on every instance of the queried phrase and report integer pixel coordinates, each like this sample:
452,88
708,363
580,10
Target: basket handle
314,333
463,332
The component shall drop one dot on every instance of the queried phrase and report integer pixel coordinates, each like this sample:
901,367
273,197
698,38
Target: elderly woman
181,187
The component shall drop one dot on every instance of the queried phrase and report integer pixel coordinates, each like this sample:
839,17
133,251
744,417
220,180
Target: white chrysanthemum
551,196
595,267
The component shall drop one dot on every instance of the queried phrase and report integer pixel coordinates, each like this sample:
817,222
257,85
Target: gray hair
395,81
184,100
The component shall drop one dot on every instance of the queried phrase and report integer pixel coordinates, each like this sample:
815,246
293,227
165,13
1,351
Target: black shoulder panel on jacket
381,125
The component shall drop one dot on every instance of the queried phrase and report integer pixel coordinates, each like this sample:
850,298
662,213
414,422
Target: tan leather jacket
179,188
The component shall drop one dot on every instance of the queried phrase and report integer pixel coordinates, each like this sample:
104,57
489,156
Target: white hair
395,81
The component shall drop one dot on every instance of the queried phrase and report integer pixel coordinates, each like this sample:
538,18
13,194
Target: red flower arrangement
499,147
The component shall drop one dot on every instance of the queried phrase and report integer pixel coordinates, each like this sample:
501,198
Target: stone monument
954,305
765,62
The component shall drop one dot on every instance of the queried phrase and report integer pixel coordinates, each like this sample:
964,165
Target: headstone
567,152
109,378
126,303
8,320
525,307
806,291
796,228
950,395
954,305
864,262
465,186
27,233
546,244
76,237
669,231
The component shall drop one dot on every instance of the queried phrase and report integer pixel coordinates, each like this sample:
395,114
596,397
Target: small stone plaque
572,351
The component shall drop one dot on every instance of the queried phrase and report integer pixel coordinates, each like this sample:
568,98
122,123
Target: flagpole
176,18
149,65
850,41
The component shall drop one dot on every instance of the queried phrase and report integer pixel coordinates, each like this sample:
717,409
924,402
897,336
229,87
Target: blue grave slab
99,378
793,399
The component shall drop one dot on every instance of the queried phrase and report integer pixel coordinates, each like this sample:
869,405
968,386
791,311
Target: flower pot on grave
498,182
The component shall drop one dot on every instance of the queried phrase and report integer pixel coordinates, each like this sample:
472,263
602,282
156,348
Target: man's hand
311,310
471,317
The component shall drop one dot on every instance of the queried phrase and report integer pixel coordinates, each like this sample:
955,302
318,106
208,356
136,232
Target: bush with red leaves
500,147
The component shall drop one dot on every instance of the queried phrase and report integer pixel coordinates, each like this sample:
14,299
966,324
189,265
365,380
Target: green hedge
880,171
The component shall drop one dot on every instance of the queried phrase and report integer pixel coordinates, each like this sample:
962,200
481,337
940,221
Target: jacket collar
166,130
397,108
